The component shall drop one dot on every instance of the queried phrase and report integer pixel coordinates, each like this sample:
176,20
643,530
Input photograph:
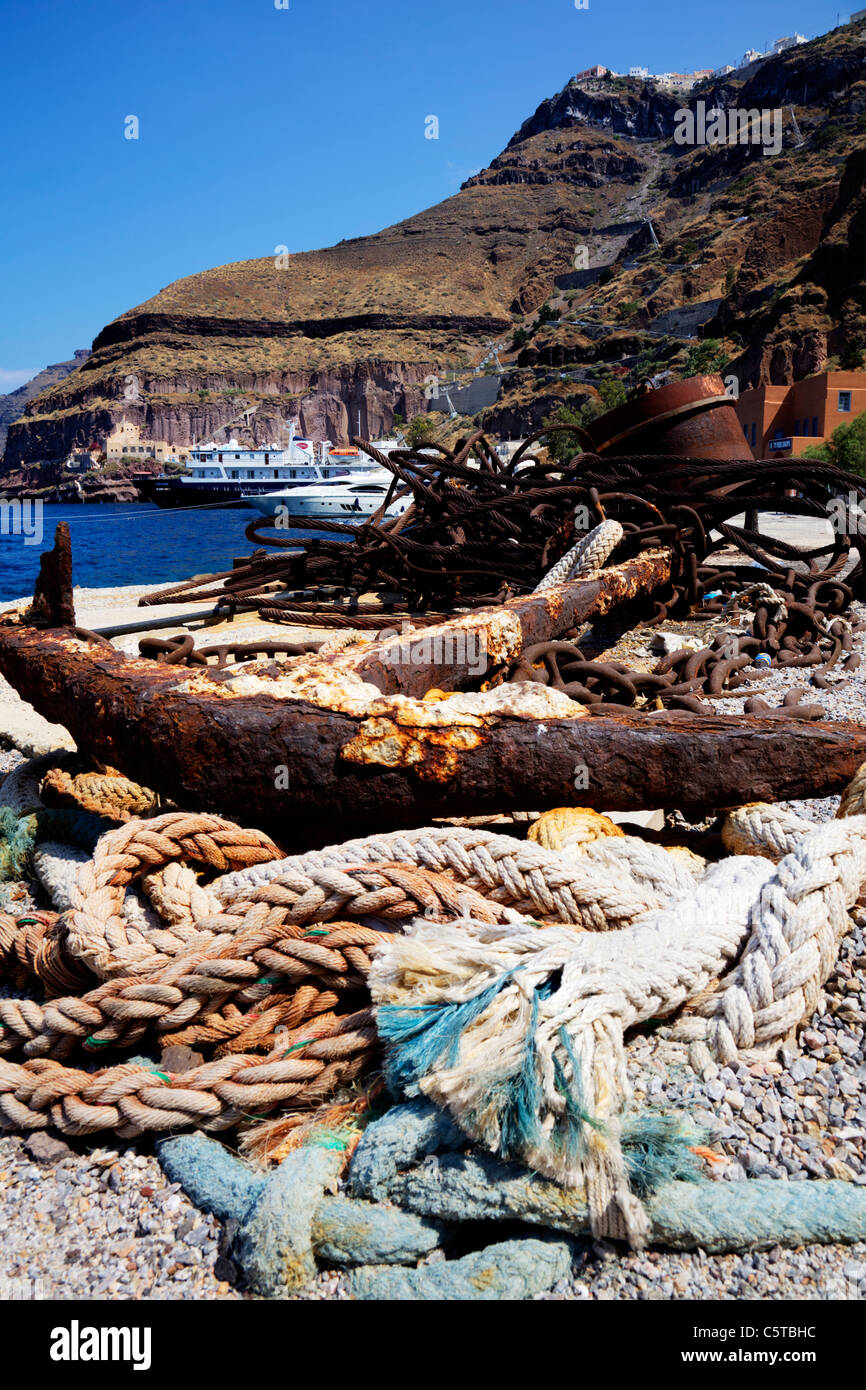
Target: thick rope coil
279,933
522,1037
795,929
98,934
518,1028
520,1034
57,866
590,553
28,951
574,828
571,826
189,972
132,1099
106,794
19,789
527,877
760,828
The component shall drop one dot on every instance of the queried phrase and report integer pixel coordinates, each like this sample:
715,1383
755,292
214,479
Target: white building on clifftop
782,44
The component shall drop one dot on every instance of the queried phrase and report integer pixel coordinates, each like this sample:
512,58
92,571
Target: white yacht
344,499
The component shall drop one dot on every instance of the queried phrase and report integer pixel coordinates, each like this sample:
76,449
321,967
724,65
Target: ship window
844,402
234,473
237,456
815,425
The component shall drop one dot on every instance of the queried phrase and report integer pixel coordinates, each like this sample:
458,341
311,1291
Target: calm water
129,544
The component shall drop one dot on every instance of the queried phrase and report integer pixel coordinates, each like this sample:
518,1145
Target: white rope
607,983
589,554
530,1050
634,876
553,1007
57,866
19,789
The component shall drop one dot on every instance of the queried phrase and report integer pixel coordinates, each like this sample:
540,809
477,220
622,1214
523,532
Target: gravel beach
87,1221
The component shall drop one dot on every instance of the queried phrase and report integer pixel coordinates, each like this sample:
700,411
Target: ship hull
171,494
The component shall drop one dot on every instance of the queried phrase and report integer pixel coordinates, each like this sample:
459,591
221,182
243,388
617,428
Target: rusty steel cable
477,535
489,531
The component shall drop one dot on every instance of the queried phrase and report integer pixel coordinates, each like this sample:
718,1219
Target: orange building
783,421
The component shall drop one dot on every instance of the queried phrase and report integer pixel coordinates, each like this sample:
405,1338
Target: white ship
231,475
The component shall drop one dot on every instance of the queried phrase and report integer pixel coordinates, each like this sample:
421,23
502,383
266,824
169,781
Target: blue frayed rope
420,1037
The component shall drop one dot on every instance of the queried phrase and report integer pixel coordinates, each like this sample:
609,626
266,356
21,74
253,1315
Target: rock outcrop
13,404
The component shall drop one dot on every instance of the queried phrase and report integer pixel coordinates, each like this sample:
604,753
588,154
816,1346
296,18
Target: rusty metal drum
694,418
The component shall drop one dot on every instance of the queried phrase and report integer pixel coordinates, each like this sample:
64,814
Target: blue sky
263,126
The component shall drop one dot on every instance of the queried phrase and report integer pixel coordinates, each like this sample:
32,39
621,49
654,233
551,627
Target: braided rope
551,999
27,951
110,795
206,952
558,1005
795,930
274,934
98,933
571,826
538,1065
132,1099
590,553
526,876
761,829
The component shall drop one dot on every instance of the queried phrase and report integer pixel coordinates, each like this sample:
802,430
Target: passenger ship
219,475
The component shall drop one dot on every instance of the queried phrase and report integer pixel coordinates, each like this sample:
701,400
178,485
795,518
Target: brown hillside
763,253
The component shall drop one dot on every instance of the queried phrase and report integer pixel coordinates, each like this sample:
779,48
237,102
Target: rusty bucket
694,418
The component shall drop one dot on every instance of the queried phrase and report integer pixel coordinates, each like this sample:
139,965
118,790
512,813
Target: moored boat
231,474
348,499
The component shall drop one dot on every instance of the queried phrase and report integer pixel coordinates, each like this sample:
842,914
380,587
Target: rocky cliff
547,251
14,403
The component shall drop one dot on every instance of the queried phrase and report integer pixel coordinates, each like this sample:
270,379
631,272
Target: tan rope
572,827
111,795
198,975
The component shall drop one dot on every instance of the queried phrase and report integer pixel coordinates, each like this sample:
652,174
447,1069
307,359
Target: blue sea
128,543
